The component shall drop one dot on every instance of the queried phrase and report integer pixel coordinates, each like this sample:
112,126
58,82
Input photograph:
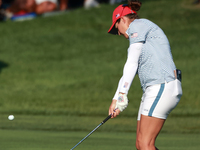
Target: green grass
68,64
58,76
60,73
42,140
179,125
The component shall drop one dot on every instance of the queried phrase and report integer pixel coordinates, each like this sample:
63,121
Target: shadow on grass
3,65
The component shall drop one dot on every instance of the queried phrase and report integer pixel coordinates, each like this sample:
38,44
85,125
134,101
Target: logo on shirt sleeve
134,35
125,85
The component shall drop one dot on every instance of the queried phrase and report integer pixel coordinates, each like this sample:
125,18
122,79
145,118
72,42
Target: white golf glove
122,102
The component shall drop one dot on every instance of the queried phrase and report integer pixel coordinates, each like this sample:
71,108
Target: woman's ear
123,19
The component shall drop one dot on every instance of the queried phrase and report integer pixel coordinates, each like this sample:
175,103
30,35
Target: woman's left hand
112,110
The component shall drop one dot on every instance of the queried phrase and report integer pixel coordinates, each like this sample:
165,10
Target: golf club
106,119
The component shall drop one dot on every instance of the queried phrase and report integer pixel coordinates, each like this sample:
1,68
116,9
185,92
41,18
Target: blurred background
27,9
59,70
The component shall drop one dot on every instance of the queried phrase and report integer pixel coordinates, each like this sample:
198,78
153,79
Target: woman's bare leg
148,129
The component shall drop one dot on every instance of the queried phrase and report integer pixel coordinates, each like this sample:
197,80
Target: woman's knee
137,144
145,143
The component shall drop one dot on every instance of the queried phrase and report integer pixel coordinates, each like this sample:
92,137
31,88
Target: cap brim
113,30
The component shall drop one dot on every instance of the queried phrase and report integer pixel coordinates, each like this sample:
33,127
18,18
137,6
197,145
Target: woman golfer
149,56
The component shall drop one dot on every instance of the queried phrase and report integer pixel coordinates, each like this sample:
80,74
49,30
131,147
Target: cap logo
117,15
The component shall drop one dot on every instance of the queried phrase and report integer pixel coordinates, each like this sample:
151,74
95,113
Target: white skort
160,99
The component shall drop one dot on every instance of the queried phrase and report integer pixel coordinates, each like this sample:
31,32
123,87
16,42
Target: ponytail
134,4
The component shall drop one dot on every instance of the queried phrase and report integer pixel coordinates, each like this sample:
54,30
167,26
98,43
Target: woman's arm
129,71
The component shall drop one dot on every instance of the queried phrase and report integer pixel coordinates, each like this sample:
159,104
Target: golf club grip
106,119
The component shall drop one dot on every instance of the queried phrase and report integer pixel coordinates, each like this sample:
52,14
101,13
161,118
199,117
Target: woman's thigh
148,129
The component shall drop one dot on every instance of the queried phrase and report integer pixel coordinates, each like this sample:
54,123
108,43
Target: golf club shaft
106,119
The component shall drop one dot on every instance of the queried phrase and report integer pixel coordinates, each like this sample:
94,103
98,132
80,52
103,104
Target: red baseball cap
121,10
